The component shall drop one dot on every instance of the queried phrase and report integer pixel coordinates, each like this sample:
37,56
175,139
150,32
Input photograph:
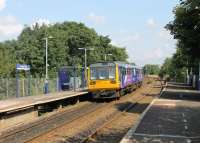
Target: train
113,79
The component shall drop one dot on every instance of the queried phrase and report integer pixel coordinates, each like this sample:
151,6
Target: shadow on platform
139,108
191,95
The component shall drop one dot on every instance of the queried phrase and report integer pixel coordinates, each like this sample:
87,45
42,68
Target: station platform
169,119
174,85
19,110
24,102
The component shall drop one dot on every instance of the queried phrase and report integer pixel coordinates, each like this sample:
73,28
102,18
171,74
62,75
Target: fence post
17,84
35,87
26,86
23,87
6,87
57,84
29,83
74,79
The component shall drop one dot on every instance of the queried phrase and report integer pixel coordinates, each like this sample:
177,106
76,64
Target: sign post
21,67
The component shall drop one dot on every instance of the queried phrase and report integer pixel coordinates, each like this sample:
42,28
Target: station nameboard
23,67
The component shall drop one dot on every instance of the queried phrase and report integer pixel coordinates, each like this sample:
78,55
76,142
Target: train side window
123,71
134,72
119,72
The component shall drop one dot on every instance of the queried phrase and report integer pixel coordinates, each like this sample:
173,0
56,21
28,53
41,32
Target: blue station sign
23,67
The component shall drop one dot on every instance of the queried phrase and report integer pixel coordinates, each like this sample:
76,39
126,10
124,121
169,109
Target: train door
123,77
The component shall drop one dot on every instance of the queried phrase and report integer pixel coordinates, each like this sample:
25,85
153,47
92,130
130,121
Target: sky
136,25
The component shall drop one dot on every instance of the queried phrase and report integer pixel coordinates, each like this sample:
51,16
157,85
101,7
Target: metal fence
26,87
68,79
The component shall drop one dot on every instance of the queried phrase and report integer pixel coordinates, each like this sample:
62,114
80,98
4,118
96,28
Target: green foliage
186,29
6,59
151,69
171,72
167,69
63,49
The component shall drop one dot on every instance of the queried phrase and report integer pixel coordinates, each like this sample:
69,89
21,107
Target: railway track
85,133
95,110
94,133
33,132
99,134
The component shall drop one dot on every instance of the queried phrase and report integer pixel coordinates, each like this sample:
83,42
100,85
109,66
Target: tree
63,49
186,29
151,69
171,72
7,60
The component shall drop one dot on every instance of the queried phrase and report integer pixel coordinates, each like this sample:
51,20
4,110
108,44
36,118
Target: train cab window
111,73
102,73
93,73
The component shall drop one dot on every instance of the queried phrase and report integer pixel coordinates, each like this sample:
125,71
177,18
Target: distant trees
150,69
171,72
29,48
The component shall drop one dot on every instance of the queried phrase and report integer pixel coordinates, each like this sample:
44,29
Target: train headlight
113,82
92,82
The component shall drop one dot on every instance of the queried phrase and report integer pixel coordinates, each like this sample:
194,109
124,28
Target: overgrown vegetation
29,48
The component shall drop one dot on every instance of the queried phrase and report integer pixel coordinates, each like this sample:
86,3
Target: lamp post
105,56
46,88
85,50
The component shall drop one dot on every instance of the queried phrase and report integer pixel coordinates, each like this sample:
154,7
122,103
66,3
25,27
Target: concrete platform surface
167,121
23,102
174,85
177,92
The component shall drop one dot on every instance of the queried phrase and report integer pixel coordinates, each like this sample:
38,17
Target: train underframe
114,93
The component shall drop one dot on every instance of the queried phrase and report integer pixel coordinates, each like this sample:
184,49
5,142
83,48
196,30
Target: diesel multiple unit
113,79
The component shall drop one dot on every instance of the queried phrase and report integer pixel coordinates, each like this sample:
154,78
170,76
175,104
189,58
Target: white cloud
2,4
151,47
126,39
40,22
97,19
164,34
132,38
151,23
9,26
155,53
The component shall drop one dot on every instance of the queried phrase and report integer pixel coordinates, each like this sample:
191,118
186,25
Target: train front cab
103,80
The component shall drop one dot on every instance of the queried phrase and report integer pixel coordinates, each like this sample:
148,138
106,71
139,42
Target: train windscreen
102,73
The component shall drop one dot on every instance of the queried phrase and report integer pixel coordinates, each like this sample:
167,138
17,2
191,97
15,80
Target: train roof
108,63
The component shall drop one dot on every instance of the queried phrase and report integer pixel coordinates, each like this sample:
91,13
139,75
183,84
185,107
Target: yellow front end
107,84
